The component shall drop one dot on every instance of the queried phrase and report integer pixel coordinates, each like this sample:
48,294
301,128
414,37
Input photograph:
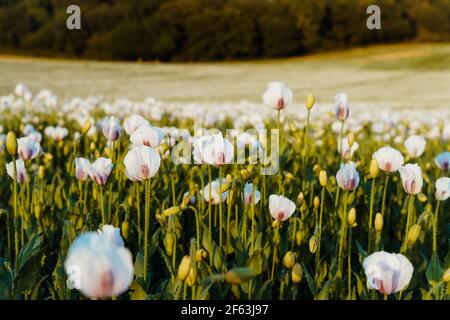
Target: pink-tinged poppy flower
249,193
387,272
443,161
27,148
281,208
141,163
147,135
100,170
443,188
21,172
98,264
111,128
389,159
412,179
347,177
214,198
134,122
56,133
341,106
82,169
277,96
213,150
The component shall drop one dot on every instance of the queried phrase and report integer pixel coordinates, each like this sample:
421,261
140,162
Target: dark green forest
199,30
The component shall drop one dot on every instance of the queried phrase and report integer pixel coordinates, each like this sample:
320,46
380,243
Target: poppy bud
87,126
171,211
323,178
37,211
92,147
351,217
229,178
316,202
297,273
414,234
422,197
289,176
200,255
374,169
300,198
225,187
289,259
239,275
184,268
41,172
11,143
310,100
125,229
192,277
168,243
378,222
160,218
313,242
245,174
316,168
298,237
446,275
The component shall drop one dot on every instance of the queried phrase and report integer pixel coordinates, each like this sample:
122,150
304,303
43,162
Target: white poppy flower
111,128
213,150
277,96
281,208
443,161
389,159
133,122
415,145
443,188
100,170
412,179
248,193
82,169
141,163
21,172
387,272
98,265
341,106
27,148
147,135
347,177
214,198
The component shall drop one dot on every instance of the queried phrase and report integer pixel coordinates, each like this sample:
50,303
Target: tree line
198,30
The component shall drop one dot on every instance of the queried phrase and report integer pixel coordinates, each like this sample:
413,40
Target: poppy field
134,200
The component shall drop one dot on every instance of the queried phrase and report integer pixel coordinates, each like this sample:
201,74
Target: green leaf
323,294
310,281
434,271
137,292
255,262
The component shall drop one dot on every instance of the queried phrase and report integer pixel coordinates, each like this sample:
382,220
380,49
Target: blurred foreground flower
280,207
98,263
389,159
21,172
387,272
412,179
277,96
415,146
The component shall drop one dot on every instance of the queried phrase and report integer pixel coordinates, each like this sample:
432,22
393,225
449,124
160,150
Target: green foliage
213,30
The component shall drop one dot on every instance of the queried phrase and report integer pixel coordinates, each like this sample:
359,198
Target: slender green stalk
341,137
138,207
148,185
220,206
408,222
102,205
210,216
372,198
16,235
349,257
252,212
305,156
435,224
274,257
322,200
383,203
343,230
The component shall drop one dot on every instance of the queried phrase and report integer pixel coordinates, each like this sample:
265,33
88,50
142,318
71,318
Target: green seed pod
351,217
169,240
11,143
316,202
289,260
323,178
297,273
192,277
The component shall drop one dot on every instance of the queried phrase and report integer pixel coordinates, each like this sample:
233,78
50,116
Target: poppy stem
102,206
148,185
372,197
383,203
220,206
137,190
16,235
435,223
408,221
305,156
322,200
343,230
210,217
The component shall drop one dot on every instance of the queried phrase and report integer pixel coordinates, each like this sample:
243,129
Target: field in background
398,76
